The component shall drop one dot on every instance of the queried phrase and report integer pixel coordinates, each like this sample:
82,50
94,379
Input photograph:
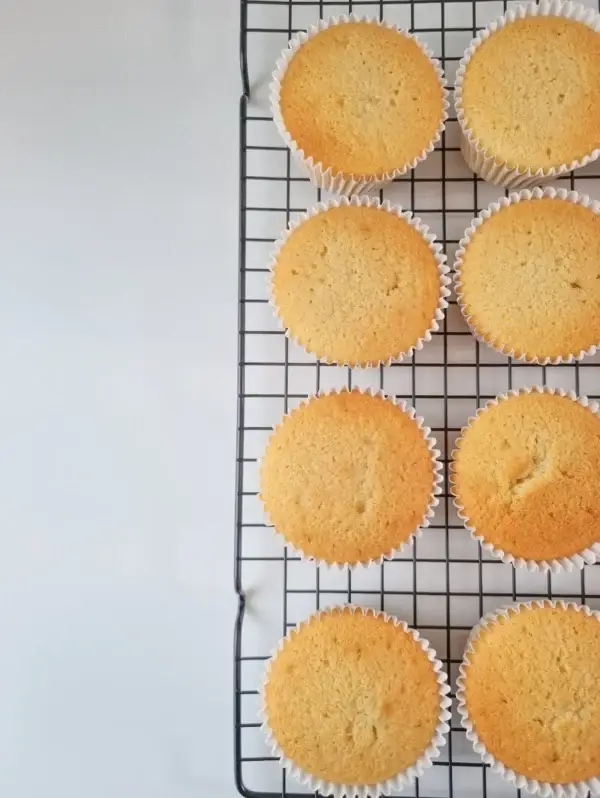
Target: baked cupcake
358,101
354,703
529,700
350,477
528,276
359,283
527,96
526,479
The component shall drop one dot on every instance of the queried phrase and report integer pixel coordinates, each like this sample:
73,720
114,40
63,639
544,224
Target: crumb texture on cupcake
352,698
361,99
347,477
530,278
356,285
527,473
530,93
531,692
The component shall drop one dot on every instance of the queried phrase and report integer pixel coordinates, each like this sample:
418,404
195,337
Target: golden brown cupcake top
527,473
352,698
530,278
356,284
360,98
347,477
531,690
530,92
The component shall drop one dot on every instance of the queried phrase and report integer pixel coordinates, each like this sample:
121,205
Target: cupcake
350,477
354,703
528,276
527,96
359,283
358,101
529,700
526,479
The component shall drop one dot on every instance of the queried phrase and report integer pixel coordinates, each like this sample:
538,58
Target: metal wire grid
443,584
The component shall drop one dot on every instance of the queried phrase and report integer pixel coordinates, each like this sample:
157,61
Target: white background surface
118,239
118,317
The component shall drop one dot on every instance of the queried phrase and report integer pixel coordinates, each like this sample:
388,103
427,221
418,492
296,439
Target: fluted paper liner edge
415,223
342,183
504,202
479,158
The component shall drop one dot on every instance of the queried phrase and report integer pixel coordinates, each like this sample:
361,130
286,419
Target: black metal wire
245,528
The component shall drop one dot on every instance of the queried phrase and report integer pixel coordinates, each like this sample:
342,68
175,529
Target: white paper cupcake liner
545,789
481,160
587,556
320,174
405,408
402,779
470,232
413,221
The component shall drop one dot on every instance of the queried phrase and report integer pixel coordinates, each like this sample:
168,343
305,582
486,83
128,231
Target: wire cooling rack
444,583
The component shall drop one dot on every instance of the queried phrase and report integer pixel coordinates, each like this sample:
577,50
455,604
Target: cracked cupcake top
527,475
352,698
347,477
529,280
531,692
